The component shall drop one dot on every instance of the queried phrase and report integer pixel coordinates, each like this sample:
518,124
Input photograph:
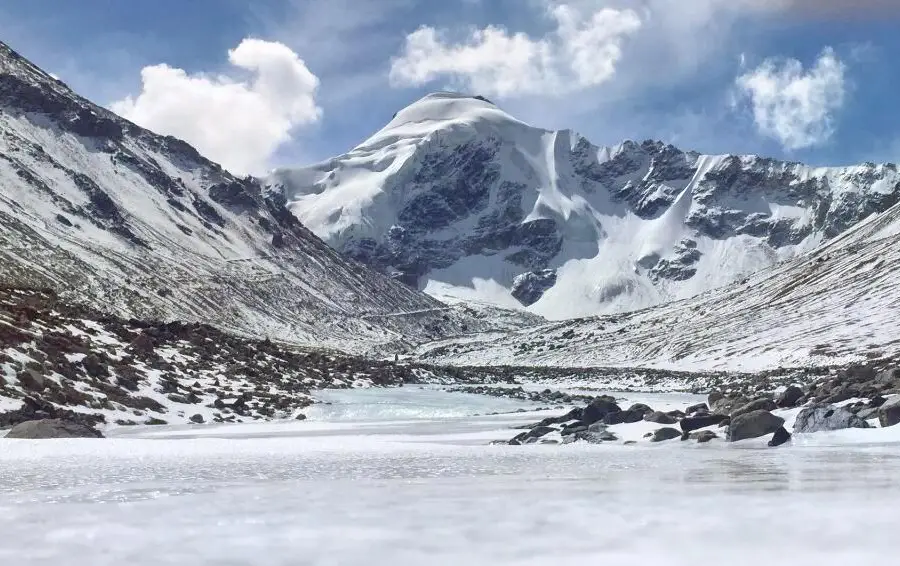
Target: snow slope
459,198
141,225
834,306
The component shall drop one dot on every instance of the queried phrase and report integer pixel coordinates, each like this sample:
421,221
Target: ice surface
384,492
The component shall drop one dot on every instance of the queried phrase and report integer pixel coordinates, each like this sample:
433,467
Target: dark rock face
819,418
596,437
753,425
781,436
659,417
52,428
528,288
705,436
598,409
690,424
663,434
698,408
889,412
789,397
623,417
758,405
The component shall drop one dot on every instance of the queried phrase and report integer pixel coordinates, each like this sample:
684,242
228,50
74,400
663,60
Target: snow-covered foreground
372,480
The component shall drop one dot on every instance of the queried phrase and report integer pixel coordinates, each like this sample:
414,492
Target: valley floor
404,476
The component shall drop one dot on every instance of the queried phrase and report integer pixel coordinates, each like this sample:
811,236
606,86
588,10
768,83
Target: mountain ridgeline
456,197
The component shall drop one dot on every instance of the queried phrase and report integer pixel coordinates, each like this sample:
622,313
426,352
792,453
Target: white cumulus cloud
238,119
793,105
582,51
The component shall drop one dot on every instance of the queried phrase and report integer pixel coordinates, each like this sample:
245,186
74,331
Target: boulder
698,408
664,434
889,412
819,418
763,404
869,413
52,428
753,425
889,376
789,397
598,409
702,421
659,417
197,419
714,397
624,417
726,405
596,437
539,431
32,380
574,429
705,436
640,408
780,437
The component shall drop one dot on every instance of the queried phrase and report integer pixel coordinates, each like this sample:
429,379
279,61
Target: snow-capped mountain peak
459,198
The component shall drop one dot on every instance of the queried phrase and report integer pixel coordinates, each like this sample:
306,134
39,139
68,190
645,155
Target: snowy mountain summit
459,198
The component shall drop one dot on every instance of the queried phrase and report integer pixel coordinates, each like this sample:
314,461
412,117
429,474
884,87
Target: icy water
403,477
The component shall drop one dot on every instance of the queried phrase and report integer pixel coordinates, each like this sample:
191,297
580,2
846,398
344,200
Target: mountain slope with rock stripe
835,306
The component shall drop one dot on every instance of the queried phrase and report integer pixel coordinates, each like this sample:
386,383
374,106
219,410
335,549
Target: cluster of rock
66,362
741,417
590,423
876,387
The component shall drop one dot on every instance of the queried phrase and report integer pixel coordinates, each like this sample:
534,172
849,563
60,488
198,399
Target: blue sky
805,80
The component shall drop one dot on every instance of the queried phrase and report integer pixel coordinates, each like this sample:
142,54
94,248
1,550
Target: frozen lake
403,477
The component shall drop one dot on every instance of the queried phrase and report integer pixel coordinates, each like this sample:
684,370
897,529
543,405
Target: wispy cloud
793,105
582,51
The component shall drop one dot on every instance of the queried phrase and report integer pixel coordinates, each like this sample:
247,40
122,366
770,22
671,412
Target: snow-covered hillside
141,225
835,306
459,198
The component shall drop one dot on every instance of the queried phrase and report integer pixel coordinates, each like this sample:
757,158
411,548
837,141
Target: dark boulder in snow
52,428
624,417
598,409
889,412
764,404
780,437
659,417
789,397
819,418
753,425
596,437
705,436
664,434
690,424
698,408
